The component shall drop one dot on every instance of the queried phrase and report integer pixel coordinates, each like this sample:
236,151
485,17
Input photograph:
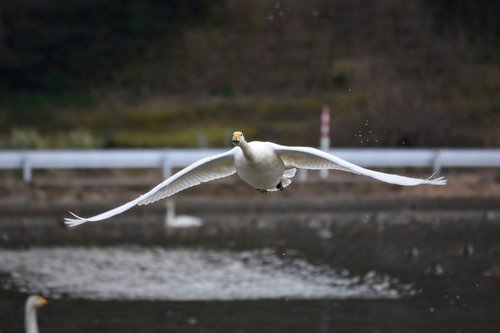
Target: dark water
408,315
424,313
361,278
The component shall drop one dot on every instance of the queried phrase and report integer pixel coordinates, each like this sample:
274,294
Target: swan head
37,301
237,138
32,303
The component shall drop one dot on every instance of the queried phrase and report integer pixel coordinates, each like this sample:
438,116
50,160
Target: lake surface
307,275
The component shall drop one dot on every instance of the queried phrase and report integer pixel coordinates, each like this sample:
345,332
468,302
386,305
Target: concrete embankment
228,219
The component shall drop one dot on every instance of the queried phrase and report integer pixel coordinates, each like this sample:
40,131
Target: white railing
167,159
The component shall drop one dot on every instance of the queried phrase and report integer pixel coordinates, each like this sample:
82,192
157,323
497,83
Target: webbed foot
280,187
262,191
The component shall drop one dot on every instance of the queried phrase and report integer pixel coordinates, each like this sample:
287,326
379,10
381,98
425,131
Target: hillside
184,73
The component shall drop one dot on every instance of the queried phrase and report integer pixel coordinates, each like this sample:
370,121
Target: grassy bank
469,119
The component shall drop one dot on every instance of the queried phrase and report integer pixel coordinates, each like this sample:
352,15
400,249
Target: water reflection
155,273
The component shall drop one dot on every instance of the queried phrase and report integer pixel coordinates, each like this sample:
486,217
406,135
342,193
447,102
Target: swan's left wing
204,170
315,159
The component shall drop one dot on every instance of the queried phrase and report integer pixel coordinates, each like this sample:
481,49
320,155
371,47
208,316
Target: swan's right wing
204,170
311,158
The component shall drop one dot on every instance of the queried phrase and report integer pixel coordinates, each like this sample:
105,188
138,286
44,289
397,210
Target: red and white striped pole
325,134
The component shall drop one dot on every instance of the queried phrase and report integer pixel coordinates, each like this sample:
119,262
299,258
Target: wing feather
204,170
315,159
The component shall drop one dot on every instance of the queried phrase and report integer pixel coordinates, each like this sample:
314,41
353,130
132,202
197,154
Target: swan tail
285,180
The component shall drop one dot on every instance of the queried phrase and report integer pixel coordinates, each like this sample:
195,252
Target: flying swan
264,165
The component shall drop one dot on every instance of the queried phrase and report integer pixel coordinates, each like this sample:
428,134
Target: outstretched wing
311,158
204,170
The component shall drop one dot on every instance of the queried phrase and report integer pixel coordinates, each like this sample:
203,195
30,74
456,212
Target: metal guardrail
167,159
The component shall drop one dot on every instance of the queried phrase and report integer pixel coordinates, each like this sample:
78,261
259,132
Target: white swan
30,322
180,221
264,165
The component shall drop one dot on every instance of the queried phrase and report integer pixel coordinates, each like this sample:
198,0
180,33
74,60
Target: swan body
259,165
266,166
30,322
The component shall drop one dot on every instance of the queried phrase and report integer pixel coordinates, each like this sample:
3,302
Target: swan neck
30,321
247,151
170,216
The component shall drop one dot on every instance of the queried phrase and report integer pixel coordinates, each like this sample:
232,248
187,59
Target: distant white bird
30,322
264,165
180,221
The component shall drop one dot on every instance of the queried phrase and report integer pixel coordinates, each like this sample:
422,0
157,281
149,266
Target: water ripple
155,273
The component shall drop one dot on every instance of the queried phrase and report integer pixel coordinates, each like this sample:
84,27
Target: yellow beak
42,300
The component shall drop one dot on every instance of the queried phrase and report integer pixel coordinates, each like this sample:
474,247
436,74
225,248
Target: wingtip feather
74,222
437,181
76,216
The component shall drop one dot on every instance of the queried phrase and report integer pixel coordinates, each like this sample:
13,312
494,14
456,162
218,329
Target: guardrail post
27,171
166,168
436,162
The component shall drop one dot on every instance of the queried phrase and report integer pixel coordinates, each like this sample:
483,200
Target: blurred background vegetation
187,73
